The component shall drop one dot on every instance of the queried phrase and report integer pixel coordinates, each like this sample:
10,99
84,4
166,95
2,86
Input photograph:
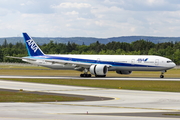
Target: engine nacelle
98,70
123,72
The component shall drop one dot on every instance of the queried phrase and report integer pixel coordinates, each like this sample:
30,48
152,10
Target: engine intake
98,70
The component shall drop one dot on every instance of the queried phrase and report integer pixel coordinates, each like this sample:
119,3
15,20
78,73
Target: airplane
97,65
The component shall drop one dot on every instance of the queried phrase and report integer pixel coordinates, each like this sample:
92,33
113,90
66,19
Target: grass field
8,96
42,71
174,73
19,66
169,86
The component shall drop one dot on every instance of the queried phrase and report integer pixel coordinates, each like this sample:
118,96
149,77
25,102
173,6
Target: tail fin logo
33,45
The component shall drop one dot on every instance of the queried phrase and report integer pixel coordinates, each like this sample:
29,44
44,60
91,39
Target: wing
77,65
53,61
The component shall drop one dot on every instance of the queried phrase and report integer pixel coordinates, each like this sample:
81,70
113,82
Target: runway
90,78
125,104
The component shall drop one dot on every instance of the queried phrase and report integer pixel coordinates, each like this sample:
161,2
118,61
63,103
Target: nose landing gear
162,74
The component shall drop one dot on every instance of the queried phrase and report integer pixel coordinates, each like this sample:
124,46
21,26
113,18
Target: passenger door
156,62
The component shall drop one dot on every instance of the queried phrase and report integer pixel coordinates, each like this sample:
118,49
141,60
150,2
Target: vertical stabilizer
32,48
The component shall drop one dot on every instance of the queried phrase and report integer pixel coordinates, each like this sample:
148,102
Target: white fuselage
116,62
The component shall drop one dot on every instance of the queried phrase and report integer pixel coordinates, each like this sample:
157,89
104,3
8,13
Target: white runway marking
105,78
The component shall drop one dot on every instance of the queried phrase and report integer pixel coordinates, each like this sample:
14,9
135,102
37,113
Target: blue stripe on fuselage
90,61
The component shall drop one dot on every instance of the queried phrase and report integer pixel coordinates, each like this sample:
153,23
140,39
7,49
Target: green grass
29,72
20,66
174,73
8,96
13,69
169,86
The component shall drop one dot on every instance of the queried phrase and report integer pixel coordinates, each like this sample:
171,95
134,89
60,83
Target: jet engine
98,70
123,72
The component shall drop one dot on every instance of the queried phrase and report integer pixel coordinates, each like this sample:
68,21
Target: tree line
140,47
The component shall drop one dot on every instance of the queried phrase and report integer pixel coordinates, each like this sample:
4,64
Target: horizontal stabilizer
14,57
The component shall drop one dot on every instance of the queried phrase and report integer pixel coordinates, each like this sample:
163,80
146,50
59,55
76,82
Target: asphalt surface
126,104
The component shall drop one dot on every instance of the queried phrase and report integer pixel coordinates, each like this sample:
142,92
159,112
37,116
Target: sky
90,18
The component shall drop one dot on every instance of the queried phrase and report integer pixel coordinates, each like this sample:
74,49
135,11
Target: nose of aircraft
173,64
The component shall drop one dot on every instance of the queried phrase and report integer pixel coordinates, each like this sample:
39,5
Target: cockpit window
169,61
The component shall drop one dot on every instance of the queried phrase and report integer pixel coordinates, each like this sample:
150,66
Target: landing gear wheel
100,75
85,75
81,75
88,75
161,76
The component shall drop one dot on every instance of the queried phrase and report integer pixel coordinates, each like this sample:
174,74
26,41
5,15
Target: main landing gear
89,75
85,73
162,74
